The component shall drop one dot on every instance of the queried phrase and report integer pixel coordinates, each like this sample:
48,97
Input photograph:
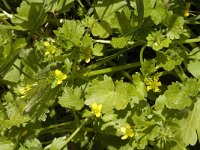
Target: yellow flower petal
60,76
153,84
96,109
126,131
46,43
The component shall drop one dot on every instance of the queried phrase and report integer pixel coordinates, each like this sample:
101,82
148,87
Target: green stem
109,42
21,71
104,60
180,73
81,4
195,40
76,117
141,54
112,69
7,5
126,74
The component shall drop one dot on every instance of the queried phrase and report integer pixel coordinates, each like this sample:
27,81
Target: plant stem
112,69
123,72
7,5
141,54
81,4
104,60
180,73
76,117
195,40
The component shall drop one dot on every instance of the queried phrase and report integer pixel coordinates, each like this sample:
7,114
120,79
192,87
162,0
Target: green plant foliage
30,15
99,74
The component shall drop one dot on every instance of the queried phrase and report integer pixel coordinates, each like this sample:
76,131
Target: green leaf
97,49
30,16
109,94
32,144
195,53
106,10
58,144
59,6
170,58
189,123
14,74
192,68
119,42
157,40
101,29
71,98
158,12
122,22
70,34
139,92
174,25
6,145
182,98
148,67
140,11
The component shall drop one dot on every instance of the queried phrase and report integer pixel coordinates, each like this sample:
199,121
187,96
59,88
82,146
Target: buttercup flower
59,76
23,90
126,131
153,84
50,48
96,109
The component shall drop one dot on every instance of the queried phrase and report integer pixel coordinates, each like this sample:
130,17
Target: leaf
183,97
158,12
70,34
170,58
189,123
157,40
101,29
97,49
140,11
174,25
60,6
71,98
58,143
119,42
192,68
14,74
148,67
195,53
108,93
30,16
6,145
139,92
31,144
105,10
122,22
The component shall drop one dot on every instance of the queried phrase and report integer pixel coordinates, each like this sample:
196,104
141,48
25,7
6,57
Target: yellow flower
60,76
96,109
126,131
153,84
186,13
50,48
46,43
23,90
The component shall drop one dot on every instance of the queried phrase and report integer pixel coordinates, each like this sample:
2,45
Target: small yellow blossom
96,109
186,13
50,48
46,43
23,90
153,84
126,131
60,76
